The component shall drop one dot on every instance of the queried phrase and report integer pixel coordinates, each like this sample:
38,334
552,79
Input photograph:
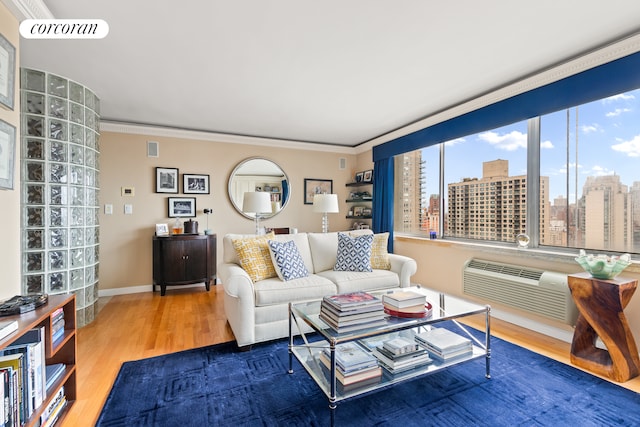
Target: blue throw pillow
287,260
354,253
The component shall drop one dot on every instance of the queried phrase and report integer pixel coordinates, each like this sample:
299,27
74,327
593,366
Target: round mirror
257,174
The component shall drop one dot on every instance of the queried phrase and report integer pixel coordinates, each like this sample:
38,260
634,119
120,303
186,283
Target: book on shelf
399,364
351,301
362,311
53,372
402,299
444,344
353,377
352,327
352,319
34,341
14,363
399,345
351,357
7,327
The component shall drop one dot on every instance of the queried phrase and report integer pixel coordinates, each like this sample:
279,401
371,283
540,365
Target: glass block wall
60,184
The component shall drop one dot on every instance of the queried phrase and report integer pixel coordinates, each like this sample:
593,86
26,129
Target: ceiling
331,72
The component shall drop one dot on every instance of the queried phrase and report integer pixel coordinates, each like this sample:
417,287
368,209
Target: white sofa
258,312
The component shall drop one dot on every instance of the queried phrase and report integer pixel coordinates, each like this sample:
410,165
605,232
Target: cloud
590,128
619,97
598,171
630,148
617,112
453,142
509,142
546,144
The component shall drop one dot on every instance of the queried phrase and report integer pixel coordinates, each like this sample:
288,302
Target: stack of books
444,345
355,367
400,355
57,325
352,311
406,304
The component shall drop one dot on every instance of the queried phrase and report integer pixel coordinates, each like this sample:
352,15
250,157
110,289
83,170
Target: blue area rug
219,386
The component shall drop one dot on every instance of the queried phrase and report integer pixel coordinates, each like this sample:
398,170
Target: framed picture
367,176
359,176
182,207
7,72
195,184
7,154
167,180
162,229
316,186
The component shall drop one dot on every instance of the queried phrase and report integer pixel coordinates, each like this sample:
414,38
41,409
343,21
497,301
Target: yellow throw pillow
255,257
379,254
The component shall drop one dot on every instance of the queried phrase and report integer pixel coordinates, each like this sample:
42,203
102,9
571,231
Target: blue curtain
383,198
285,191
599,82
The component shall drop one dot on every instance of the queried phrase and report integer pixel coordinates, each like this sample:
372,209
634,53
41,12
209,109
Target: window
587,181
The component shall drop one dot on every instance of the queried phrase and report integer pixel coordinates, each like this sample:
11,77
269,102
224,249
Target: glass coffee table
303,319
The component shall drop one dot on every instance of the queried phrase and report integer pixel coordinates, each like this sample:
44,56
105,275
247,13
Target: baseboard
551,331
137,289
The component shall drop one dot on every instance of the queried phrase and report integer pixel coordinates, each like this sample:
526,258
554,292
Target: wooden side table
600,304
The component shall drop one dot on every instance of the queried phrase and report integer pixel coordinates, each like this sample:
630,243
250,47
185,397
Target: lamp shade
326,203
256,202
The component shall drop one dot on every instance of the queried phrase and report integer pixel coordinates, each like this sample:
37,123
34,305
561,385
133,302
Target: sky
607,135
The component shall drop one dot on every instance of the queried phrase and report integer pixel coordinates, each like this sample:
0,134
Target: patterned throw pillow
287,260
354,253
379,254
255,257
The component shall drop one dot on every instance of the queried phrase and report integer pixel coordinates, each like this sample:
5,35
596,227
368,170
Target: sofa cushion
302,243
323,250
352,281
276,291
287,260
255,257
354,252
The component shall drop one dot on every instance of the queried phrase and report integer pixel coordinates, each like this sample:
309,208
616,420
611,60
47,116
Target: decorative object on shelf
359,176
177,227
195,184
182,207
316,186
190,227
326,204
22,303
522,240
7,154
257,203
7,72
367,176
603,266
207,212
167,180
162,229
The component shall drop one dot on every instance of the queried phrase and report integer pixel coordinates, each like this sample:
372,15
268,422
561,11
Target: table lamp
325,203
257,202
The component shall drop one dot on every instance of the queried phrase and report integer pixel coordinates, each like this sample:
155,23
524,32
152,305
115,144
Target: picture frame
367,176
359,176
182,207
195,183
162,229
7,155
7,73
314,186
167,180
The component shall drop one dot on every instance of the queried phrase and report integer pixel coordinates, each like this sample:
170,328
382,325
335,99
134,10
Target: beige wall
10,199
125,240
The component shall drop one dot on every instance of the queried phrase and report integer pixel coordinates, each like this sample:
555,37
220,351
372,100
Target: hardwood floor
136,326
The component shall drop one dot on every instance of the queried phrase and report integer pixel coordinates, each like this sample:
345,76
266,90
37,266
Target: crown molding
28,9
138,129
608,53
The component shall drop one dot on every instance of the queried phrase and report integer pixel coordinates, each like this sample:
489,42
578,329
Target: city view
589,181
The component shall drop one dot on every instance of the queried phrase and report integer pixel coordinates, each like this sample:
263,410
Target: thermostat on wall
127,191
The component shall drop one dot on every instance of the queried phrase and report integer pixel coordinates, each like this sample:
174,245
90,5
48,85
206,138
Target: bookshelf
62,351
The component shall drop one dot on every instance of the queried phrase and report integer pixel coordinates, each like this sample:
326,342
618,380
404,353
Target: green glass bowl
603,266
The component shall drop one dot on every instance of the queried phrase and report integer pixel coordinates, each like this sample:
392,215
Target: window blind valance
599,82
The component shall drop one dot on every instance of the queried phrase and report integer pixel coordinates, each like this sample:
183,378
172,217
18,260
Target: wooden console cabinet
63,350
183,259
